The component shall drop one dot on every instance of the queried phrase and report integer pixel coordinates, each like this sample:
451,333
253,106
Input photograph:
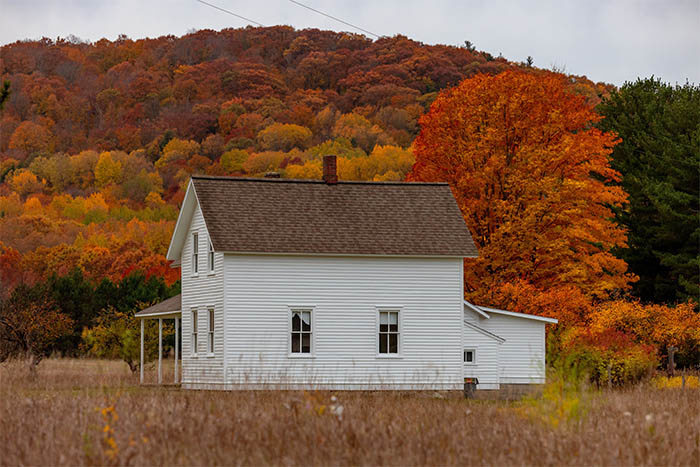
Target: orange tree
532,178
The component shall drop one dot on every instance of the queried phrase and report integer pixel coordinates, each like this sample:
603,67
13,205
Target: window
470,356
195,253
210,258
388,332
301,332
194,332
210,341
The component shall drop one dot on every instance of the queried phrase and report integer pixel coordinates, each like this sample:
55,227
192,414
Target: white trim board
180,232
519,315
483,331
476,309
484,311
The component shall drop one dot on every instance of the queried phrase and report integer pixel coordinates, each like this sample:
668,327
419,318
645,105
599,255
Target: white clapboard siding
486,365
344,293
522,355
201,292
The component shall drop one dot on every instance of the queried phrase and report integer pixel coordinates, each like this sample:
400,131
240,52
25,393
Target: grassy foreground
78,412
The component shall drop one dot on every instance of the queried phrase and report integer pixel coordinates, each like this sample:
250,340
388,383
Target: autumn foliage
30,325
98,140
529,173
533,179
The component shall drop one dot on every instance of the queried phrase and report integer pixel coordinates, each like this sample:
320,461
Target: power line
231,13
334,18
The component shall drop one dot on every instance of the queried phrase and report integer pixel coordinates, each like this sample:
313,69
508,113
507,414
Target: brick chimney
330,174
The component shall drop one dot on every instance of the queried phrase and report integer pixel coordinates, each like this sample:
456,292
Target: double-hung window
301,332
195,253
389,332
194,332
210,330
210,258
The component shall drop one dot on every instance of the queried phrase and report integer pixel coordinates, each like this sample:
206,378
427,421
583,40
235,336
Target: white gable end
182,228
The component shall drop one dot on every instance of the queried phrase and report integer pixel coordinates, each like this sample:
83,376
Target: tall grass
78,412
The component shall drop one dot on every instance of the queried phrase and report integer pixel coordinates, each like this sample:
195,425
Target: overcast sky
611,41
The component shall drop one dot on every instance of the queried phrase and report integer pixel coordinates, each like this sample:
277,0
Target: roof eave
283,253
177,241
515,314
161,314
483,331
476,309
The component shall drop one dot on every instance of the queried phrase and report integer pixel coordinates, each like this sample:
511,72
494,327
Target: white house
330,284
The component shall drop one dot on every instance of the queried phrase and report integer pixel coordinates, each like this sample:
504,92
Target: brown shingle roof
350,218
169,305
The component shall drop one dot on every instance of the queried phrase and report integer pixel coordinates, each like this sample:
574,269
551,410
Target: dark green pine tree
4,93
659,158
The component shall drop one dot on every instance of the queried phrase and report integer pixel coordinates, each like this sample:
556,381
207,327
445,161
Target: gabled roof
476,309
483,331
519,315
244,215
484,312
170,306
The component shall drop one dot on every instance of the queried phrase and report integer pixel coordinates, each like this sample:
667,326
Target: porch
167,309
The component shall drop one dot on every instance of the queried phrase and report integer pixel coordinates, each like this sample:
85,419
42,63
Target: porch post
141,366
160,350
177,346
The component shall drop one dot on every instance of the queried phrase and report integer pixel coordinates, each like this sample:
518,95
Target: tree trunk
34,361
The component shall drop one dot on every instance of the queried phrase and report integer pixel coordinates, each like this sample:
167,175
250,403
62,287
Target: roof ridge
313,181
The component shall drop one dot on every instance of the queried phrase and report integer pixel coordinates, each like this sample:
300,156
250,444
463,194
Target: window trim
473,351
211,317
211,260
194,334
195,254
387,308
290,312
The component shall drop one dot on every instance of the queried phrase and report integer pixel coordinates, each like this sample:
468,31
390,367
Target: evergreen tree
4,93
82,301
659,158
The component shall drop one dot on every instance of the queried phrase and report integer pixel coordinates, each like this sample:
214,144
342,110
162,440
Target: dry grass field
77,412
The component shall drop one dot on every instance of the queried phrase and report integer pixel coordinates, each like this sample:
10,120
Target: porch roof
169,308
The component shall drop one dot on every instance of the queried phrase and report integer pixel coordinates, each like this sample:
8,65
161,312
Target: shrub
658,325
117,334
609,357
675,382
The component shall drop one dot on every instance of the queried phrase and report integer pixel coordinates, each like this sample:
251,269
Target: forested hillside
97,140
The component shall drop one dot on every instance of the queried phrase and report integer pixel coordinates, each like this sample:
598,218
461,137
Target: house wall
200,292
486,367
522,355
344,293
